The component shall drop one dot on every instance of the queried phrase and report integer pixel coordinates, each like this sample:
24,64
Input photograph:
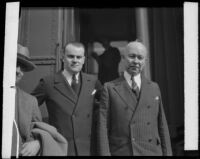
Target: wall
39,32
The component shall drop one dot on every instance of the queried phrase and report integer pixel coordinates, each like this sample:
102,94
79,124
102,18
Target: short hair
75,44
136,44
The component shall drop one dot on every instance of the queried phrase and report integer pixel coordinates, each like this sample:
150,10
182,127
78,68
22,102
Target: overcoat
129,127
70,114
26,112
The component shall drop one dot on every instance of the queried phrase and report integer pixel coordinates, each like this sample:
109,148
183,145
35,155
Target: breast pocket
155,104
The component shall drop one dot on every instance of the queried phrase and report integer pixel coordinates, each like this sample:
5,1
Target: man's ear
83,59
122,56
62,57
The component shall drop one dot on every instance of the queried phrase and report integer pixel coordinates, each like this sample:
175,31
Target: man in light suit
131,116
70,96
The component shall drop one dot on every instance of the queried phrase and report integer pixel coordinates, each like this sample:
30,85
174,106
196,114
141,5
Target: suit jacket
70,114
129,127
26,112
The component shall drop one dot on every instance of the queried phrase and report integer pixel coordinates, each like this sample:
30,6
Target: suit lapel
64,88
122,88
85,87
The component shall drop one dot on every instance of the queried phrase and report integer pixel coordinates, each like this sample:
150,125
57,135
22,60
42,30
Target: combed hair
76,44
138,45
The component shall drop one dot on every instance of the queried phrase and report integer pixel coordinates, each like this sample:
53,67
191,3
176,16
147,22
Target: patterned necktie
74,84
135,87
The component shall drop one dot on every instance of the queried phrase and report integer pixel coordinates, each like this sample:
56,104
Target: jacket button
158,143
150,140
74,115
148,123
148,106
88,115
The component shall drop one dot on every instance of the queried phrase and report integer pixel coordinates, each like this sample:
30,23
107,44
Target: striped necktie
74,84
135,88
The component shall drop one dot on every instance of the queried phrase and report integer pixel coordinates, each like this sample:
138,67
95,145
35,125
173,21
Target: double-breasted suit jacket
70,114
26,112
130,127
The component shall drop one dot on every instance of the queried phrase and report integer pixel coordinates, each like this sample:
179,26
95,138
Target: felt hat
23,58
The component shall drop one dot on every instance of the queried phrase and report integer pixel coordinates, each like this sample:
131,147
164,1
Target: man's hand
30,148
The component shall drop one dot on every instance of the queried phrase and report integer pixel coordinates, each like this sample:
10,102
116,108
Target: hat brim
27,65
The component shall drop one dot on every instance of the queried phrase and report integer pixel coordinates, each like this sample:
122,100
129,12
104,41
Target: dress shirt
68,76
137,79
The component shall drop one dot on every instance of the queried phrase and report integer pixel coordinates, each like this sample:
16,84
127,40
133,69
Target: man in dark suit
69,96
131,115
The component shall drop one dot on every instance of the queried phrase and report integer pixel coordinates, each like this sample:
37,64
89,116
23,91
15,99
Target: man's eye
70,56
79,57
140,57
132,56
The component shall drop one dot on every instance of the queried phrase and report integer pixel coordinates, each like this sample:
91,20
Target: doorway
117,25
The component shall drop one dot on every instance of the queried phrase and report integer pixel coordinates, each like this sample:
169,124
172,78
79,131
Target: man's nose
136,60
75,59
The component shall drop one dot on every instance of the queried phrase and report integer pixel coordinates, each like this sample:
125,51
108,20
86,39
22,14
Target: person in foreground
70,95
31,136
131,118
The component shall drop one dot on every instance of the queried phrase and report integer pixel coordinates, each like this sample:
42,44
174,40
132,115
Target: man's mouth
75,65
134,67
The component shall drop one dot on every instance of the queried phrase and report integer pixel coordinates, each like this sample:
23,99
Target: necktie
135,87
74,84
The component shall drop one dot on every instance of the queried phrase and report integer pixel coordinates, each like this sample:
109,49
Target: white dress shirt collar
137,79
68,76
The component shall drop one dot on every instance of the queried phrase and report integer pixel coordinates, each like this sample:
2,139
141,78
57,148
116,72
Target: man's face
74,59
134,59
19,74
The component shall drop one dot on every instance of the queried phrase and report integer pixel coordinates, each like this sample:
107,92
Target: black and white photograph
108,81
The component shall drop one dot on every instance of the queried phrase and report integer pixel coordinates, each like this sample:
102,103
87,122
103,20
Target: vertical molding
71,26
66,27
54,37
143,34
27,26
77,24
59,39
24,23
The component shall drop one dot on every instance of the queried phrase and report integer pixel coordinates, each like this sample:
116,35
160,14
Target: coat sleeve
102,124
36,111
36,116
40,91
164,131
